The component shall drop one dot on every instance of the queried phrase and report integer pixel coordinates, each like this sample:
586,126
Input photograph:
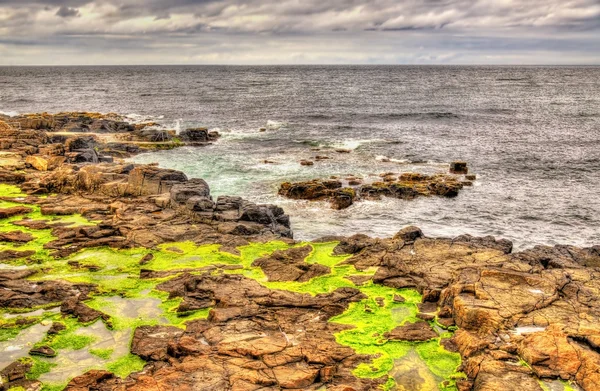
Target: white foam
353,144
386,159
276,124
9,113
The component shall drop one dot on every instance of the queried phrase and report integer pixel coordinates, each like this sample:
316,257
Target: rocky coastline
117,276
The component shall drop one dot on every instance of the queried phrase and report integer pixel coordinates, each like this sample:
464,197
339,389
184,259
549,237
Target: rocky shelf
342,193
131,277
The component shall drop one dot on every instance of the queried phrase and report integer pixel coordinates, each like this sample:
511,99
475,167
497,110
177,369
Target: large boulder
151,180
195,187
198,135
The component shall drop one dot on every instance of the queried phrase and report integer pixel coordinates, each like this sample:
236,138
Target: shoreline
239,295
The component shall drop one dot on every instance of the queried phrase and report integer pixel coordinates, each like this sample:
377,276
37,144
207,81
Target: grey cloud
67,12
388,30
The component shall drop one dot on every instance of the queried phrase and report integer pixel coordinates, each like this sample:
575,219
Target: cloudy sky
90,32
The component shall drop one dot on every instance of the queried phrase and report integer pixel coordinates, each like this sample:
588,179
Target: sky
117,32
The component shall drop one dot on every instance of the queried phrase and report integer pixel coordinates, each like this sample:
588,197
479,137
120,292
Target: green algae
126,365
131,302
104,354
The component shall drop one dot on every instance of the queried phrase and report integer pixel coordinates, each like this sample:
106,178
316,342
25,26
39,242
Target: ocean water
531,134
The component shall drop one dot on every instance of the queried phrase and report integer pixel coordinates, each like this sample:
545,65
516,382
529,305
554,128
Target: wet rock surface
342,194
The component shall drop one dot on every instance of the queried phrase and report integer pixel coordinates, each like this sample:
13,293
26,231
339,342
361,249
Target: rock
57,149
81,143
82,156
146,258
16,371
148,180
37,162
56,328
44,351
419,331
82,312
152,342
354,244
409,234
200,204
16,237
198,135
183,191
458,167
14,211
342,198
295,376
312,190
90,381
290,265
15,254
406,186
306,163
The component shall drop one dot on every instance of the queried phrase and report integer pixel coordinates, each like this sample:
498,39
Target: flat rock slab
16,237
420,331
14,211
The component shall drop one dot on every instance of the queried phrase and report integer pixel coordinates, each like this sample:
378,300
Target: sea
531,134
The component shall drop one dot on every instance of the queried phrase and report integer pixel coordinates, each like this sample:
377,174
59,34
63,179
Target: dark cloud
67,12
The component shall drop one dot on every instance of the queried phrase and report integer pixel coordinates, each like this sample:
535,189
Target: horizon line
308,65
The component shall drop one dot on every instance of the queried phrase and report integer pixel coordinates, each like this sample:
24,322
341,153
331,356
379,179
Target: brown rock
16,237
14,211
419,331
152,342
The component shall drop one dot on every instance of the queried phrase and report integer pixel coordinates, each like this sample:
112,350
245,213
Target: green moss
10,191
40,366
53,387
126,365
68,338
132,302
104,354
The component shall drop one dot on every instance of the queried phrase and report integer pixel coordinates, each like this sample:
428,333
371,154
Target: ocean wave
9,113
429,115
139,118
386,159
350,144
276,125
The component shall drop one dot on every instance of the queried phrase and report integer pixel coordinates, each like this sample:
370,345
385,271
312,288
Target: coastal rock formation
404,186
137,272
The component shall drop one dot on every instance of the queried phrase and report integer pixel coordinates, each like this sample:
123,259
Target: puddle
71,363
401,313
19,347
143,308
559,385
412,374
4,266
39,312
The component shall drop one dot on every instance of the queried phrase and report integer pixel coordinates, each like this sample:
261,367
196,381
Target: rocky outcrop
198,135
404,186
538,306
